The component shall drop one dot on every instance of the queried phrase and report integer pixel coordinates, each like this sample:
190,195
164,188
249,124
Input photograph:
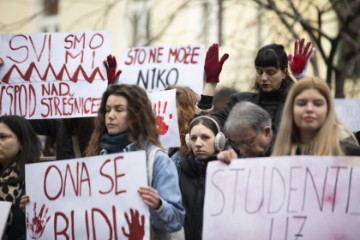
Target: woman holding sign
18,145
126,122
310,125
205,140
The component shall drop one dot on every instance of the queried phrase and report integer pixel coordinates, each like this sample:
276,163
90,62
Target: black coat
192,185
272,102
63,131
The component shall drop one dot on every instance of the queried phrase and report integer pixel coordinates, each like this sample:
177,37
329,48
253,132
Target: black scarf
114,143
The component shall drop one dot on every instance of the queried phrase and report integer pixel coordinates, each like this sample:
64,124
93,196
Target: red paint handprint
161,125
38,222
136,228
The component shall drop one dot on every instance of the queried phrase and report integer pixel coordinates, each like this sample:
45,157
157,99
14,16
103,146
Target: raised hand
136,225
213,65
300,59
111,65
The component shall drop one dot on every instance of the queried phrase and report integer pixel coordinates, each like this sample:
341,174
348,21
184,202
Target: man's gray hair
246,114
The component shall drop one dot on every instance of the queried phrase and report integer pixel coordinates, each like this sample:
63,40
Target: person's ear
267,131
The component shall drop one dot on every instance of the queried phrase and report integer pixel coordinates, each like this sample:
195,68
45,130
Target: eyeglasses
246,144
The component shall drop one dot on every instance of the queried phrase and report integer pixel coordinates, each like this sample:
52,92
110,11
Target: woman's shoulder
351,149
244,95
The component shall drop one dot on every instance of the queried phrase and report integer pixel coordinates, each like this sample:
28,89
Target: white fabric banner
53,75
87,198
164,106
301,197
348,111
4,214
155,68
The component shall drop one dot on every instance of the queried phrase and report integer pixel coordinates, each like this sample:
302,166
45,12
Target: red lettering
56,196
131,58
195,53
68,41
97,210
61,232
68,54
75,183
79,40
85,178
38,56
106,176
160,54
48,110
24,47
118,175
99,41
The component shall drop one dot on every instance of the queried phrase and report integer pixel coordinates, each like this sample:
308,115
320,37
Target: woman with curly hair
125,123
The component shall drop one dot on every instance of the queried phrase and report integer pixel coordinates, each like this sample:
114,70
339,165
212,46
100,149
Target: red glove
300,60
110,65
212,65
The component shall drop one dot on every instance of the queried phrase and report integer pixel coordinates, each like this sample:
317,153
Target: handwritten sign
348,111
53,75
87,198
154,68
4,214
277,198
164,105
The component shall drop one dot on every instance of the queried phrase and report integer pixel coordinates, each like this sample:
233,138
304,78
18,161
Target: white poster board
154,68
53,75
348,111
87,198
276,198
4,214
164,106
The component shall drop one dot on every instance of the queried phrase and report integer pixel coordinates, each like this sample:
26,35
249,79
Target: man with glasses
248,127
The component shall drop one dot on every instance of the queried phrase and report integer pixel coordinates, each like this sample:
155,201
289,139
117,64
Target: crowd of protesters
287,113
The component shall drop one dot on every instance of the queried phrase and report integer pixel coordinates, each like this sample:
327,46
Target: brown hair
186,100
140,117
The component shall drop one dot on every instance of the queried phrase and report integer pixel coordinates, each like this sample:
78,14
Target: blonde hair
329,137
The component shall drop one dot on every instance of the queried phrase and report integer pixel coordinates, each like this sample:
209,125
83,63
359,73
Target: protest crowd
287,113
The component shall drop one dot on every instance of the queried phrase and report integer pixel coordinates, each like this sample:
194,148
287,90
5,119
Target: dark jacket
272,102
63,130
350,149
192,185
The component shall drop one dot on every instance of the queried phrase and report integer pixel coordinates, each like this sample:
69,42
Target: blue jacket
170,216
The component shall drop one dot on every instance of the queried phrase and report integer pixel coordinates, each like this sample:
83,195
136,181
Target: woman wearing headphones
205,140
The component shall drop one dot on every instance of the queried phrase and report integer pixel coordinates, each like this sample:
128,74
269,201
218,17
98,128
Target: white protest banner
348,111
164,105
88,198
301,197
53,75
4,214
154,68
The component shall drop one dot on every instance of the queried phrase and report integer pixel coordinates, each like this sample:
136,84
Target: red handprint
136,228
161,125
38,222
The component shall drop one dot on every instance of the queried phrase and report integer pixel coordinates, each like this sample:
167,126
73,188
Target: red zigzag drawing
58,76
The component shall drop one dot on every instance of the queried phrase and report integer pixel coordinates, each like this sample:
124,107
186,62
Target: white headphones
220,138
